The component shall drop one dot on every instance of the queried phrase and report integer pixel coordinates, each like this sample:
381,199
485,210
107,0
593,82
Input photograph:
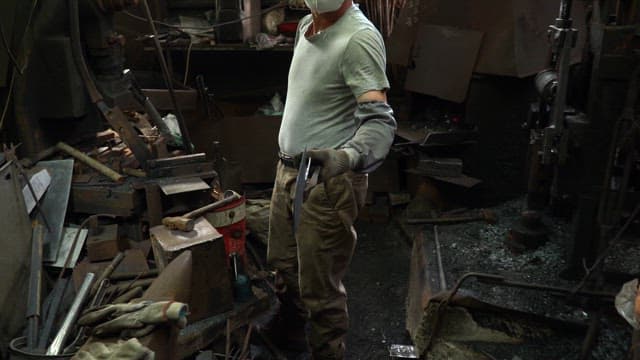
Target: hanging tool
186,222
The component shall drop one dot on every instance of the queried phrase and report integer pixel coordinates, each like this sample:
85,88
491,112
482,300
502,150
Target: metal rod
107,272
443,280
72,316
35,287
95,164
186,139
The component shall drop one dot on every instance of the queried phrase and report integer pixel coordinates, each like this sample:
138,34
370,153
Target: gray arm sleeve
370,145
364,69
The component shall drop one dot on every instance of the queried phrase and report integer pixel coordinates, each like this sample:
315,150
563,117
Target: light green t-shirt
329,71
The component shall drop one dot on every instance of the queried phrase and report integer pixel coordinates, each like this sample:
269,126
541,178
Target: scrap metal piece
72,315
54,204
65,247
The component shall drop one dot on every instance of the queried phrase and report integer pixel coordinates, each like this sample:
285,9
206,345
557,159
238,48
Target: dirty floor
377,288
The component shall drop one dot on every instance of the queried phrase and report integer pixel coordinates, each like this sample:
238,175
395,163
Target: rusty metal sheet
68,235
442,61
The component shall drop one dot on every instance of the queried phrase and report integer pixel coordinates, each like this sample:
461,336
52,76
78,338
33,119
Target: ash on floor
480,247
377,288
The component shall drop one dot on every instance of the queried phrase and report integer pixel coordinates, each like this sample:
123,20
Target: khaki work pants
313,263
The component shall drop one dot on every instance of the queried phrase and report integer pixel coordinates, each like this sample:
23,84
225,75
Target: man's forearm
370,145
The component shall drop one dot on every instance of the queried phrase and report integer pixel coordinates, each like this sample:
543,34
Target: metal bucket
17,352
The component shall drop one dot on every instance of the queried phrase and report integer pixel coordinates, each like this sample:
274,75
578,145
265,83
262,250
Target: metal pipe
95,164
72,316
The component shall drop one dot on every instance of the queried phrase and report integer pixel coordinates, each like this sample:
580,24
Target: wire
186,67
14,61
5,41
207,28
12,56
8,99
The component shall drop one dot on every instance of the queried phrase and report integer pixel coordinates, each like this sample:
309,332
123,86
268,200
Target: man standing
336,107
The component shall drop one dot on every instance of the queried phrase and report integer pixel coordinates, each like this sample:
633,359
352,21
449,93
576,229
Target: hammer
482,215
187,221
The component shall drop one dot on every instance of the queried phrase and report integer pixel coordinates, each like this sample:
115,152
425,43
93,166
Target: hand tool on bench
187,221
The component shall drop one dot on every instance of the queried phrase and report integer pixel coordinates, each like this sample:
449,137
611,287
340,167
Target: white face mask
323,6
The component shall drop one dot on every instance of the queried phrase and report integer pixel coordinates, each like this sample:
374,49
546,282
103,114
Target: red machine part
230,221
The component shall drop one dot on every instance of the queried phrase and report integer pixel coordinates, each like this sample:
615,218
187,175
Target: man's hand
334,162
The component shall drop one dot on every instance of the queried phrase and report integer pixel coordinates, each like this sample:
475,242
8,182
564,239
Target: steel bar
35,287
72,315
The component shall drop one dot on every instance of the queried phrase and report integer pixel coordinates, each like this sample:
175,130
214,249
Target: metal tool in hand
307,178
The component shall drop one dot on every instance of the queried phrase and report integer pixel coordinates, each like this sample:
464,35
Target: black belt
289,161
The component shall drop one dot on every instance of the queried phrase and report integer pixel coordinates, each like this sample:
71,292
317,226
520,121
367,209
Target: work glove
333,162
134,318
122,350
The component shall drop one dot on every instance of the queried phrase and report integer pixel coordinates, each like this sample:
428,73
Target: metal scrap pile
101,247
